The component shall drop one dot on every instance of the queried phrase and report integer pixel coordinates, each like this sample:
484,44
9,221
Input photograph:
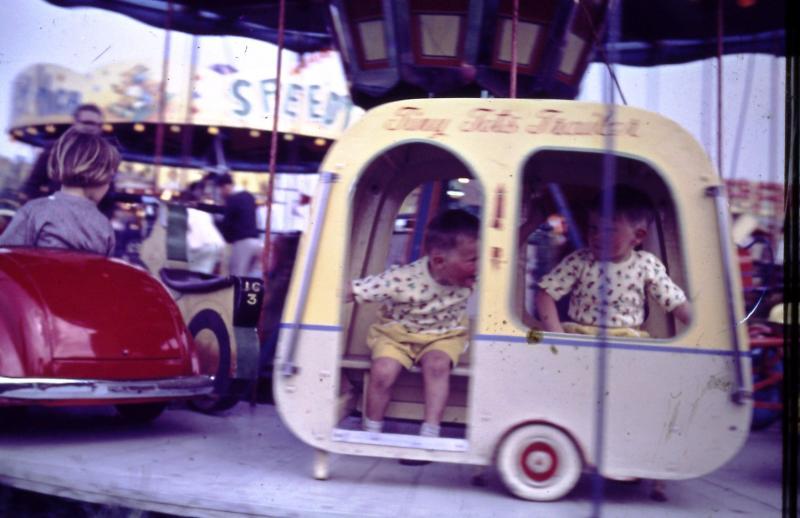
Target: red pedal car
80,329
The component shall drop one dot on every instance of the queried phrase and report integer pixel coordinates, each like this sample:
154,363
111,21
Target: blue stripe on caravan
637,346
630,346
311,327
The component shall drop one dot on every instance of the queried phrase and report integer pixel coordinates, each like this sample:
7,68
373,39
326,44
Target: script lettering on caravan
548,121
408,118
553,121
487,120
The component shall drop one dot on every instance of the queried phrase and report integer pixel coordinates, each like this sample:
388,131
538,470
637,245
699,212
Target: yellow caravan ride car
675,404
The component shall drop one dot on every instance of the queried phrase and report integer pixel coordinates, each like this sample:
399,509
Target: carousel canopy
403,49
653,32
306,29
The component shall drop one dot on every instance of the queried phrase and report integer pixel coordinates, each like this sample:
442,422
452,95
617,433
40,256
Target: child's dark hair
223,179
87,107
445,229
630,203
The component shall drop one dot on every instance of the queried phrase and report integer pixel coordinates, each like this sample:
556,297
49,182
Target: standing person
84,165
238,227
423,317
205,246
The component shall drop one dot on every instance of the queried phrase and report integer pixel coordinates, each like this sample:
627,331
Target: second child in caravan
423,317
631,276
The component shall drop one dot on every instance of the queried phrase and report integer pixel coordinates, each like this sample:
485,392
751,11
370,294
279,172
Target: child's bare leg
436,373
382,375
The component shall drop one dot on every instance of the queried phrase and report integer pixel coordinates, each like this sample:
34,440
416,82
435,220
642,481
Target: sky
33,31
753,131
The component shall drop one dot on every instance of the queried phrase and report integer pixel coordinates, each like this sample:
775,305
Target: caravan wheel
539,462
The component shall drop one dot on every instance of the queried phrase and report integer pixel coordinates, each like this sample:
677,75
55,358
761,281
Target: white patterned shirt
411,297
628,283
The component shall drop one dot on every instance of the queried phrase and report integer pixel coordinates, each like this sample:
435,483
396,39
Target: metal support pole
288,367
512,89
723,229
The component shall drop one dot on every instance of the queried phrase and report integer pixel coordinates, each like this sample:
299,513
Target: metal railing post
723,227
288,367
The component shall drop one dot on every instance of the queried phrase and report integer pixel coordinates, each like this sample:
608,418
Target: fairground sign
314,97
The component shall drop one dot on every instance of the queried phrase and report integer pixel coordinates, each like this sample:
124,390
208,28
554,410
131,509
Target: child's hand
548,313
683,312
348,294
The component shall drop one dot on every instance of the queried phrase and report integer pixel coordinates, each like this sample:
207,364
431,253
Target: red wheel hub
539,461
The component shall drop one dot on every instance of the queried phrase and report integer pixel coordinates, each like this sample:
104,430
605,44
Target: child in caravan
631,275
422,317
84,164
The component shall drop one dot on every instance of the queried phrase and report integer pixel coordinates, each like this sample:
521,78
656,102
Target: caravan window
397,193
557,188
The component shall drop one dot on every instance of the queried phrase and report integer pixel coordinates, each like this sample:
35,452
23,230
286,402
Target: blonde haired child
84,164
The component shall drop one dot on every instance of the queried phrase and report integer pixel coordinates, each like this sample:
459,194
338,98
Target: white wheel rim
539,462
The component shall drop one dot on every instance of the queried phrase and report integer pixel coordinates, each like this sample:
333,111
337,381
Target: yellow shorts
391,340
624,332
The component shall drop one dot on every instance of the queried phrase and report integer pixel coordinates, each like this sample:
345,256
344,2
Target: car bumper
38,389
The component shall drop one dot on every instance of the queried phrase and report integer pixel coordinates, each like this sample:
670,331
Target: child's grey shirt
60,221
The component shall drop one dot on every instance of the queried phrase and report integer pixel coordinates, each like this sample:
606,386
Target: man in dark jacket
238,227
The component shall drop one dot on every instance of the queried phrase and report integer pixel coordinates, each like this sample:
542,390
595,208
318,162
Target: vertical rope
596,38
772,175
706,100
186,144
162,94
653,93
512,89
273,158
748,84
719,87
607,207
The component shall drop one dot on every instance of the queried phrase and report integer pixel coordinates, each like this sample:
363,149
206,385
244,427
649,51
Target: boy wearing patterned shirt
631,275
422,317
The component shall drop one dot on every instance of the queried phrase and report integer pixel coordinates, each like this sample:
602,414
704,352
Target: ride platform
246,463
